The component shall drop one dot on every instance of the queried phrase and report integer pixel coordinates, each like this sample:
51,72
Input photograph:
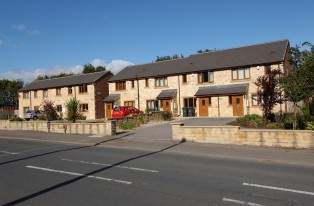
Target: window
35,94
83,107
210,101
25,95
205,77
120,85
83,88
267,69
59,108
152,104
189,102
241,73
254,100
161,82
184,78
58,91
129,103
146,82
45,92
230,100
70,91
132,84
36,107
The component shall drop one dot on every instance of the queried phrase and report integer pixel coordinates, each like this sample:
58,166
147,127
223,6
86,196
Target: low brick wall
233,135
102,129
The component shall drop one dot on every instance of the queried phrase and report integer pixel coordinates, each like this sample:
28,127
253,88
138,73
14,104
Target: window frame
26,95
129,103
45,93
58,91
146,82
70,90
159,80
83,88
132,84
244,69
151,106
254,100
187,102
184,78
120,85
84,107
59,108
35,94
201,77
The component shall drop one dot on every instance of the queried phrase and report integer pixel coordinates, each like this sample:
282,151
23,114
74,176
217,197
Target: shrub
250,120
167,116
73,113
309,126
127,125
288,125
50,110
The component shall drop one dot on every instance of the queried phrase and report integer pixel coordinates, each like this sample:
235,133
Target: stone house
90,89
216,84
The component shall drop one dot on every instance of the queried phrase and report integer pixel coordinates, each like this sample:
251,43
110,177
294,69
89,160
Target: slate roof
111,97
65,81
167,94
222,89
258,54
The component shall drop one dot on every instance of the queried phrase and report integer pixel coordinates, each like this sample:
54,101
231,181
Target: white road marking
5,152
77,174
240,202
279,188
109,165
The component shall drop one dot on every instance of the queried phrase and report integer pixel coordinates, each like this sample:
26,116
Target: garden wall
233,135
102,129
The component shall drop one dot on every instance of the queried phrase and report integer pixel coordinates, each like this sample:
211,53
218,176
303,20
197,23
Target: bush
309,126
167,116
73,107
50,110
288,125
250,120
127,125
18,119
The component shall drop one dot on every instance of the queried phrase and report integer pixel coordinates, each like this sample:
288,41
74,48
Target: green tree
165,58
88,68
8,92
269,92
73,109
49,109
298,85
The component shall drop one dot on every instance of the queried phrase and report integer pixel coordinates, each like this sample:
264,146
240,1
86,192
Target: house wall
101,91
188,89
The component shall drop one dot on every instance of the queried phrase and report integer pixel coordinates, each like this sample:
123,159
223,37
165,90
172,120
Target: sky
52,36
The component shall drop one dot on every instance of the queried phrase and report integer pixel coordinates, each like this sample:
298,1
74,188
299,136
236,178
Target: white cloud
24,28
28,76
114,66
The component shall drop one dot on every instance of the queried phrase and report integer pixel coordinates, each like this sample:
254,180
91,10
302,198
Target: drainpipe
280,105
218,107
30,100
138,93
179,90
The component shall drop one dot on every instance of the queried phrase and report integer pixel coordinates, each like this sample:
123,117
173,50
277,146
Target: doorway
108,106
203,106
237,103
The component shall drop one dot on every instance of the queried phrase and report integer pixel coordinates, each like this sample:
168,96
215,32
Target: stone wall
233,135
101,129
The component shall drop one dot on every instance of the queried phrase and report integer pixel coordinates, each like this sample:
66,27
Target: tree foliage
49,109
298,56
8,92
165,58
200,51
73,109
268,92
88,68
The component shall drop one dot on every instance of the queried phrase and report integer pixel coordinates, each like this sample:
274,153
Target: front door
203,106
166,105
237,103
108,106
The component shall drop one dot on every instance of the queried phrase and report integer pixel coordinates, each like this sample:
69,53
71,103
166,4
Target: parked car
122,111
33,114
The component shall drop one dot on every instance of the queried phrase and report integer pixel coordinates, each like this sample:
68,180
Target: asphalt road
47,173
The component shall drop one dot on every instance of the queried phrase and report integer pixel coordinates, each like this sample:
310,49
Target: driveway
162,131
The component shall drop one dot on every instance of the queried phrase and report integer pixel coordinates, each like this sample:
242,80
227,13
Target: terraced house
90,89
215,84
